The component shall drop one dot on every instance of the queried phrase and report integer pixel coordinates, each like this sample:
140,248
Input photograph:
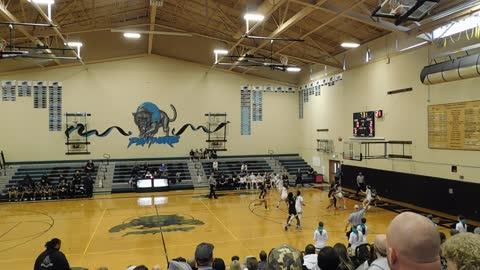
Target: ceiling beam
352,15
267,8
153,14
301,59
324,24
64,40
9,16
284,27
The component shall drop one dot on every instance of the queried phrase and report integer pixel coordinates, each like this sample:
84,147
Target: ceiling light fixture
294,69
218,52
132,35
252,17
76,44
45,2
350,45
413,46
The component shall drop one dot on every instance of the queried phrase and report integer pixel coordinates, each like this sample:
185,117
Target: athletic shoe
286,228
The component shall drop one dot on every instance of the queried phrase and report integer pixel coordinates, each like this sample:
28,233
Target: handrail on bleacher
3,164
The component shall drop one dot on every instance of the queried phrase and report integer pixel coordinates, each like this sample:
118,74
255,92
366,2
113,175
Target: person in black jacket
52,258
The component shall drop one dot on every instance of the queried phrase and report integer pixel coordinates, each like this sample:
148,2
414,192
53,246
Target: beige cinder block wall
112,91
405,116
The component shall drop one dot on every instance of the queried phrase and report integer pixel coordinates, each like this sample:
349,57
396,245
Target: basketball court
143,236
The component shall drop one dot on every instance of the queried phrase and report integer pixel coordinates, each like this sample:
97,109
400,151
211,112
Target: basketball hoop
3,44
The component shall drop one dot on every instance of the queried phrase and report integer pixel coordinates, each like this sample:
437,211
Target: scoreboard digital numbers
364,124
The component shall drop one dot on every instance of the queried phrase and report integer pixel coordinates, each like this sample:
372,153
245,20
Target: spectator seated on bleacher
192,154
149,175
244,168
163,170
222,182
12,193
135,170
89,167
62,188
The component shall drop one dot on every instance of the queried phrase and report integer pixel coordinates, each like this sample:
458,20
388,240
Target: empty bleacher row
177,171
293,164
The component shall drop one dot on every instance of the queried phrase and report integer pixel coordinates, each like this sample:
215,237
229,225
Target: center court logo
157,224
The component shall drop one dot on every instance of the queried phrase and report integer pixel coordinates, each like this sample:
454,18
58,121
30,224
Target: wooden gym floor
124,229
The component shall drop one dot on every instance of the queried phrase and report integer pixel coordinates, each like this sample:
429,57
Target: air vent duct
453,70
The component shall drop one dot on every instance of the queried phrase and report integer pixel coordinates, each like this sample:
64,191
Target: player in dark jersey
263,196
331,195
292,211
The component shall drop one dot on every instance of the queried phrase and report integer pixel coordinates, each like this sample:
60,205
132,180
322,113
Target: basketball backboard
404,10
352,150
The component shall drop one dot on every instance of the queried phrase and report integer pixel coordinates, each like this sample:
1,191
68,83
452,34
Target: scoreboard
364,124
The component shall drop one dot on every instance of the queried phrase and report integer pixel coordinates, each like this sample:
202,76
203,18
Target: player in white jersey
369,198
339,194
283,196
299,207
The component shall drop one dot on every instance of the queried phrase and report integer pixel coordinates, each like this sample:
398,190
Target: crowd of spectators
197,154
412,242
54,186
247,180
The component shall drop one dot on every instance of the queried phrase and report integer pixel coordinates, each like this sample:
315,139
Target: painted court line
224,226
93,234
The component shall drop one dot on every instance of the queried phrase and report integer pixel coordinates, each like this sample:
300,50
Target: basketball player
268,180
292,212
331,196
285,179
263,197
371,196
339,194
299,207
283,196
275,181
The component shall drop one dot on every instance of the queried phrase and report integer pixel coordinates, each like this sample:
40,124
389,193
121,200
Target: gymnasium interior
317,90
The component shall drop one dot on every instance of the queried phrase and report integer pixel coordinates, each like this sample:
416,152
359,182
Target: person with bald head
412,243
381,262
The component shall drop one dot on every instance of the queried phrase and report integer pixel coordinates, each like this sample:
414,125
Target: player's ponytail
52,243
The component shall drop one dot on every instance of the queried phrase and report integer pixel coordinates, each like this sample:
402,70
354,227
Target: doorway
334,167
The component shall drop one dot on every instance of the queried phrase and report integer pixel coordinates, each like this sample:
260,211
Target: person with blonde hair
462,252
235,265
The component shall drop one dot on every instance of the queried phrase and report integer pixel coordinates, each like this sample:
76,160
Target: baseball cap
284,257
